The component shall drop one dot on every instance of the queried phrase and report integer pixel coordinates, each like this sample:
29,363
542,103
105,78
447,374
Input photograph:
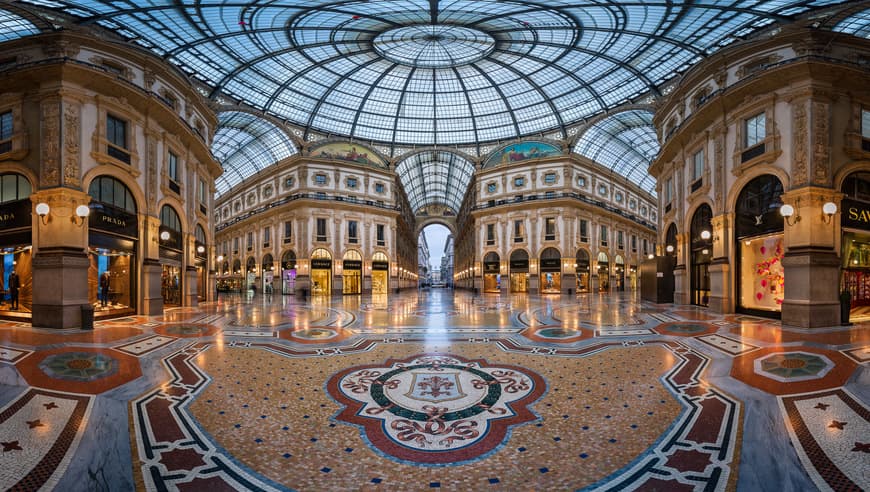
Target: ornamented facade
107,181
762,169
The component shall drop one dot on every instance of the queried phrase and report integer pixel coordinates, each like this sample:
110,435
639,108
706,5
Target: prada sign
110,219
855,214
321,264
15,214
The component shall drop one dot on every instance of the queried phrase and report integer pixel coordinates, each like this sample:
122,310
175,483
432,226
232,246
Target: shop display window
110,282
16,301
170,285
762,276
551,282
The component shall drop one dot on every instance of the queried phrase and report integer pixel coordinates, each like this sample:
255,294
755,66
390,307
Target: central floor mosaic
435,390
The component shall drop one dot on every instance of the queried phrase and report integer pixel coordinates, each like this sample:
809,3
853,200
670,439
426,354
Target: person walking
104,289
14,284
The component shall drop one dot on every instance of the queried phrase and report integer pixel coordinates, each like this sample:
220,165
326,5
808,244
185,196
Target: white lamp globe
786,210
705,235
42,209
829,208
83,211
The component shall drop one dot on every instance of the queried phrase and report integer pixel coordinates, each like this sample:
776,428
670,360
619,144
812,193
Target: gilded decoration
349,152
799,143
71,138
50,142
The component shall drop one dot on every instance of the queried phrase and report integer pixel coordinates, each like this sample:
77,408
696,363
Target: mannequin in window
104,289
14,284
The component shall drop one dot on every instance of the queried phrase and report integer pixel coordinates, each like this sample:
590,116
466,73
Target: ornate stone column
152,299
811,264
721,283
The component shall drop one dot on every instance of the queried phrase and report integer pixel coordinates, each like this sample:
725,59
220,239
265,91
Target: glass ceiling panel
625,142
14,26
246,144
435,177
857,24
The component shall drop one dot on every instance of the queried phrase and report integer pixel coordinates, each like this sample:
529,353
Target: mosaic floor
435,390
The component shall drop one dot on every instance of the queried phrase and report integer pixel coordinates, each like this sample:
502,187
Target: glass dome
415,72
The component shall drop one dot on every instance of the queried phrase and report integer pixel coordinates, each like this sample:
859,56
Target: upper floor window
491,187
116,131
320,179
584,230
490,234
632,204
865,123
581,181
321,229
110,191
267,237
288,182
519,181
352,183
620,240
634,244
203,197
173,167
116,135
549,228
250,242
669,190
235,245
380,188
603,237
754,130
645,246
618,197
352,232
602,190
550,178
5,131
698,165
518,231
288,230
380,234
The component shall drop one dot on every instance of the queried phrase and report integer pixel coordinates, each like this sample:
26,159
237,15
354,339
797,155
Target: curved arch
522,150
756,171
426,221
17,182
328,253
176,205
691,211
550,253
491,256
237,266
435,177
352,254
332,149
109,190
123,177
624,142
851,168
246,144
670,238
288,258
16,168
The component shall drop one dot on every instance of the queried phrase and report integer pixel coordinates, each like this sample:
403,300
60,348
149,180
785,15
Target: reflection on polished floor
435,390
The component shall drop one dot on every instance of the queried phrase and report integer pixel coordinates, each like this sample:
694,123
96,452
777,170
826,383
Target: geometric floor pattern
435,390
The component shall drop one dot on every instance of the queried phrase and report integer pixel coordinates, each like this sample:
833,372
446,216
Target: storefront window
491,273
171,255
759,232
551,271
603,272
268,269
619,273
321,272
582,270
351,273
113,233
288,273
519,271
702,248
380,273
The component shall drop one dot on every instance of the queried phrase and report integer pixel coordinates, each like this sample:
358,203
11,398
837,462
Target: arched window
268,262
251,265
353,255
288,260
757,208
112,192
321,254
199,237
379,257
671,240
702,248
237,266
170,228
14,187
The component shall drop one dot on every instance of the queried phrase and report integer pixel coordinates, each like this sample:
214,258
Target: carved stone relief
799,143
821,139
151,157
71,147
50,175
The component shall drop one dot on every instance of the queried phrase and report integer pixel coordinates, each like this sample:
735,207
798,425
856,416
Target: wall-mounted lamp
200,249
829,209
220,258
42,210
670,248
82,212
651,256
705,235
164,236
787,211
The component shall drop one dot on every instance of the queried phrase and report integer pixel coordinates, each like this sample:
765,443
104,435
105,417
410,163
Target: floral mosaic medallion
558,333
315,334
436,409
793,366
79,366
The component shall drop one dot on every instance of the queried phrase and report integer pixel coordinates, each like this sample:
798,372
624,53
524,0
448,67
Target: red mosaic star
863,447
35,423
822,406
836,424
11,446
49,405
